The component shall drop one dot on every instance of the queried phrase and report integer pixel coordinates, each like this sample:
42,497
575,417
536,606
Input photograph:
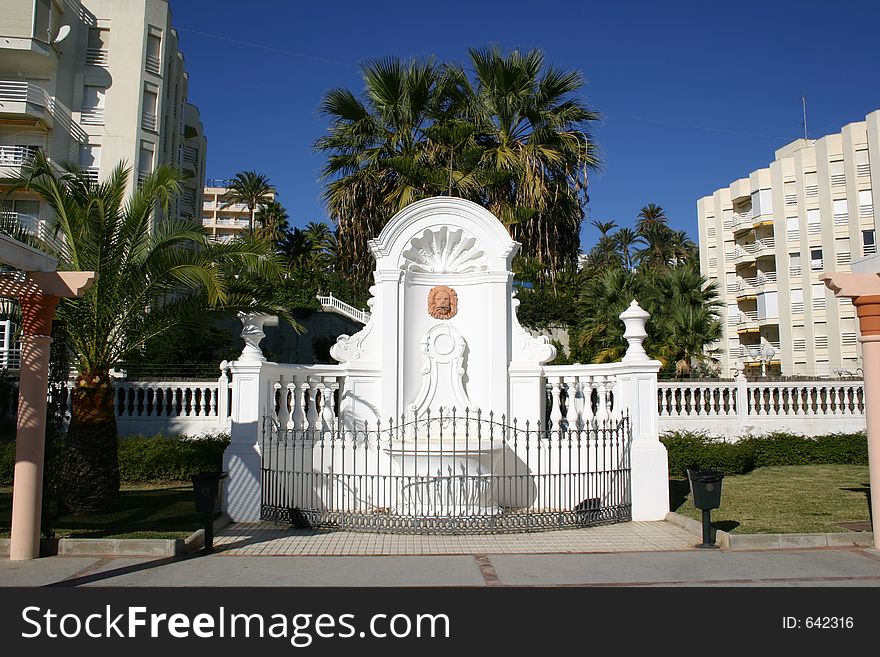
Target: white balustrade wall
306,397
580,394
738,408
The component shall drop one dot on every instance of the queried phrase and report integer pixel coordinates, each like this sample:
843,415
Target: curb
122,547
774,541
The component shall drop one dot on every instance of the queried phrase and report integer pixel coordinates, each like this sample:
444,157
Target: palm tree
537,150
685,322
516,141
374,150
602,298
626,240
252,189
323,241
272,219
650,216
149,281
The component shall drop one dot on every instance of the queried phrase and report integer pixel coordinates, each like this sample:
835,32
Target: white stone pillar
250,399
637,393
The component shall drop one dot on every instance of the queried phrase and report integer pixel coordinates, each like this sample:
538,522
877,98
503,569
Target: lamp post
762,353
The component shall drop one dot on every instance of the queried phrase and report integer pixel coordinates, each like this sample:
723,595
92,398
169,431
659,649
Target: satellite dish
63,31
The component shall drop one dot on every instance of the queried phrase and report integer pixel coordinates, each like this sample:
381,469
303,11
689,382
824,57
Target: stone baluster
278,396
580,404
310,388
328,413
602,412
570,392
290,398
556,407
663,401
298,402
714,397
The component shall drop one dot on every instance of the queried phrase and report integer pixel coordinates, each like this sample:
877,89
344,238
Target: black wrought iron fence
447,474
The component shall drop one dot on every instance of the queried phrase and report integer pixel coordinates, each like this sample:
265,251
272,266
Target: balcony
745,252
25,103
92,116
152,65
765,245
30,222
97,57
766,278
149,121
190,158
14,157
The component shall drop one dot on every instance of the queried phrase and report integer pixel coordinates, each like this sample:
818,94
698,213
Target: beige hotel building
96,82
221,219
765,239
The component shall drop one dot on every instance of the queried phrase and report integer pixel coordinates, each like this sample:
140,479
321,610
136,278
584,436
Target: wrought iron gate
446,474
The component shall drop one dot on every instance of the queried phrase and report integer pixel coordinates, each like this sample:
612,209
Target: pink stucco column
864,291
868,311
27,497
39,294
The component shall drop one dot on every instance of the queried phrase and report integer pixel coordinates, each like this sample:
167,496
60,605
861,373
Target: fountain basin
446,477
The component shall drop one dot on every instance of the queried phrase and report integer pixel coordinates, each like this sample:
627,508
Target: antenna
63,31
804,104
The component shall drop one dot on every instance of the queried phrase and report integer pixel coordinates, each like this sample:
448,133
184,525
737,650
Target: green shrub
699,450
159,458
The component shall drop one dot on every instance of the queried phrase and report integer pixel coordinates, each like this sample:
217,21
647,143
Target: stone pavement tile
40,572
689,567
261,539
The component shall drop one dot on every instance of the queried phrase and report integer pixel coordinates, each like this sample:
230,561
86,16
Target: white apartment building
223,222
93,82
96,82
766,238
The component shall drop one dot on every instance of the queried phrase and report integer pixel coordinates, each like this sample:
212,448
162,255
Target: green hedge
149,459
158,458
699,450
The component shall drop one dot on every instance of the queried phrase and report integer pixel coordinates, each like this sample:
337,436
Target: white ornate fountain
419,418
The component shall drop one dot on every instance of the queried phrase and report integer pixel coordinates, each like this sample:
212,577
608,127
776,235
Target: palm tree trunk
90,475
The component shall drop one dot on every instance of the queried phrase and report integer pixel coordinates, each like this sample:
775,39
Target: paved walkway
634,554
268,539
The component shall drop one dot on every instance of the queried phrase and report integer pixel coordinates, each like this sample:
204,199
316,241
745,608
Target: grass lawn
144,511
792,499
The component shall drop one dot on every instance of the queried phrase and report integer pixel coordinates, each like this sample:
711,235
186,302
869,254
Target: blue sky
694,95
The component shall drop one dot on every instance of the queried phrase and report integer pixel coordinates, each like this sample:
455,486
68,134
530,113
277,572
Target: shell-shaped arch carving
444,251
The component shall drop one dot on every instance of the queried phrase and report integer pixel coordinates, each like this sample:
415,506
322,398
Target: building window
93,105
814,221
841,212
863,165
153,63
838,177
149,120
90,160
815,259
145,160
811,184
866,203
869,246
98,49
